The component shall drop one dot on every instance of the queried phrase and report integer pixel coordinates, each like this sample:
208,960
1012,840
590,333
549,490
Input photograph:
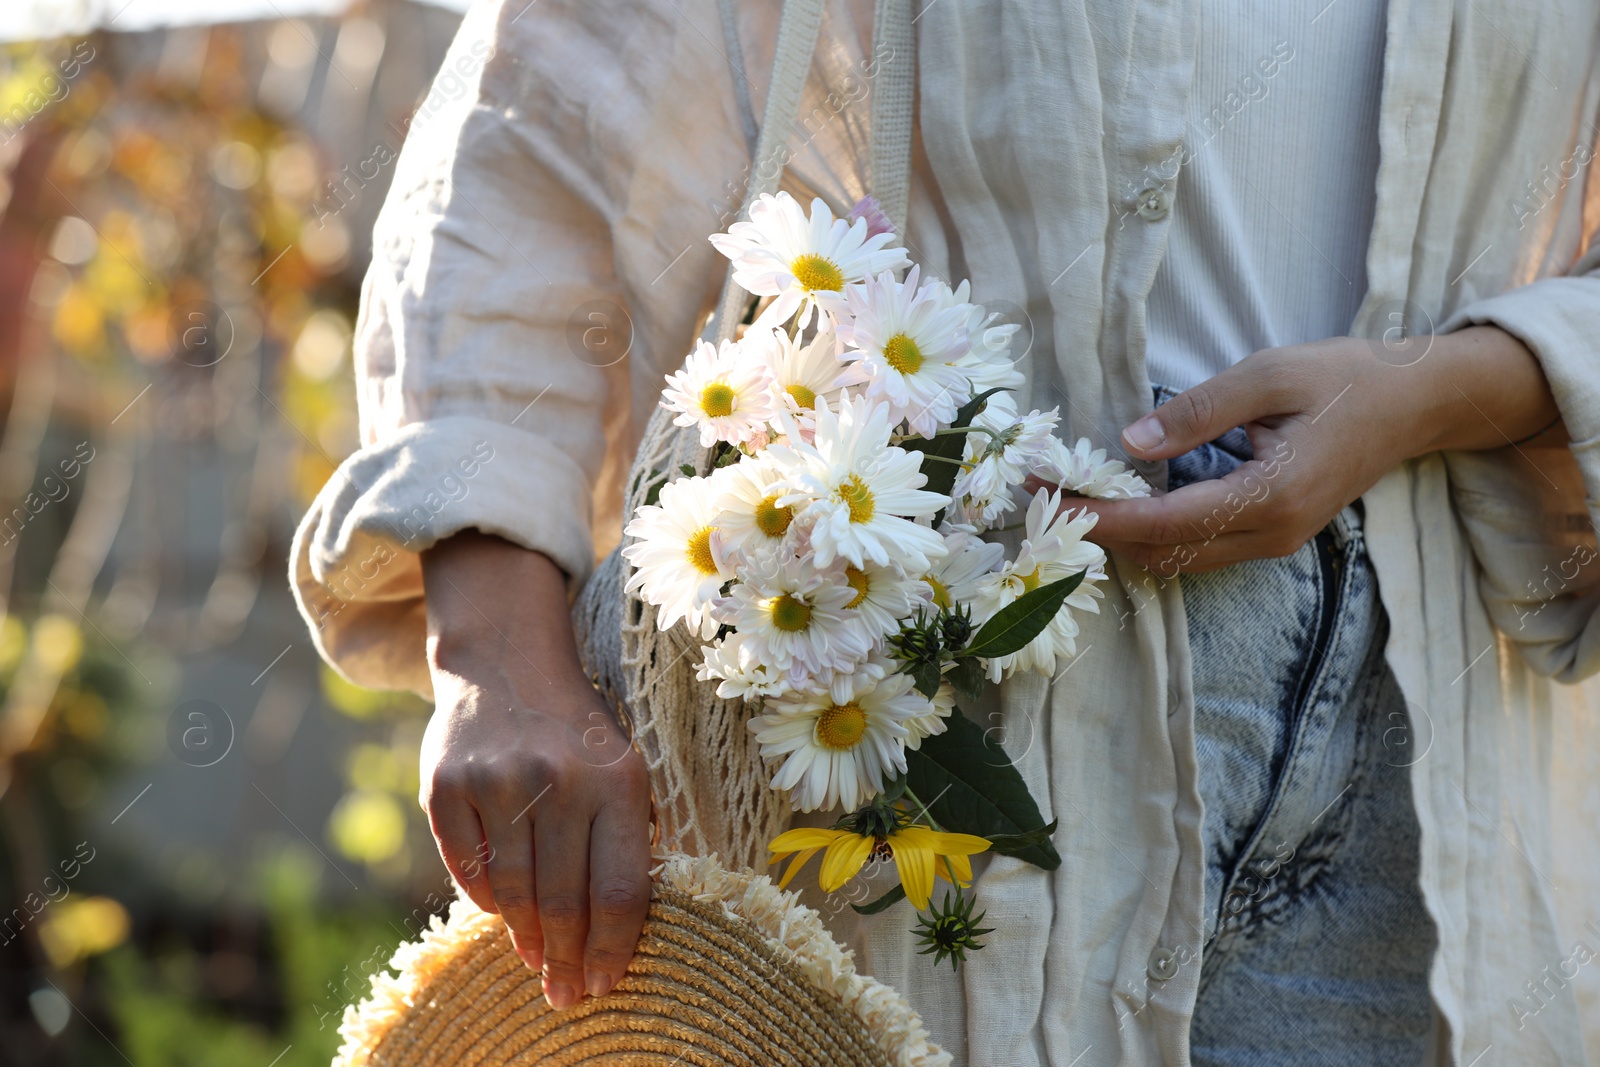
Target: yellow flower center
857,497
1030,581
901,353
860,583
717,399
941,592
802,396
841,726
771,519
699,550
815,272
790,614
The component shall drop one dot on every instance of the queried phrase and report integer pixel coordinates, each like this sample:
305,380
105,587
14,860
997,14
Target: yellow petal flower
802,843
916,848
801,839
801,858
843,859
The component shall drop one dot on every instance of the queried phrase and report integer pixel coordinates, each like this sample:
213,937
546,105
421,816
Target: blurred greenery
324,959
159,184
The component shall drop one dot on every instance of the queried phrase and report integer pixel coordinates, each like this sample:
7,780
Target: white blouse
1273,208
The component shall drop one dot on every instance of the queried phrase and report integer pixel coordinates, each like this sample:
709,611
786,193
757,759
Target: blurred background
208,841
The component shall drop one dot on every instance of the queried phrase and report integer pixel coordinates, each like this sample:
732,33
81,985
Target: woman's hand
539,805
1326,420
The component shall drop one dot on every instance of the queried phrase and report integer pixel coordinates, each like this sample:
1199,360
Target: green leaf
968,677
1020,621
927,678
892,897
969,411
654,493
1011,844
941,476
971,787
687,469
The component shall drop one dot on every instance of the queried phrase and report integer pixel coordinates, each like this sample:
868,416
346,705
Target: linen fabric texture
577,175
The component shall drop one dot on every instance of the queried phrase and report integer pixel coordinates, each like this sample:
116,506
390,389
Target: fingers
1208,524
1200,511
1198,557
619,891
1251,389
562,842
462,845
512,879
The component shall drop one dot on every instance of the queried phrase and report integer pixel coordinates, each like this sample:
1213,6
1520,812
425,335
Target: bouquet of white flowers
864,438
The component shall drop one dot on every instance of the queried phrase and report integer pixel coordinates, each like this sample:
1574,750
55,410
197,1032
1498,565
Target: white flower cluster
814,541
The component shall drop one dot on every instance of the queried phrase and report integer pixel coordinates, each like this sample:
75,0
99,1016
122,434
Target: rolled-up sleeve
1530,511
495,319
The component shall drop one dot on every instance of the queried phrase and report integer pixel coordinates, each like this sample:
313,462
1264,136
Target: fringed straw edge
793,931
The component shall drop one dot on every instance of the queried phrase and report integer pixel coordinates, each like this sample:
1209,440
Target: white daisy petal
804,374
803,261
680,560
739,671
793,620
725,391
842,745
908,340
1052,549
1087,472
858,494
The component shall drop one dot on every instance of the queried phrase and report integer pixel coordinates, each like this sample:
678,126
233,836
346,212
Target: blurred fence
207,840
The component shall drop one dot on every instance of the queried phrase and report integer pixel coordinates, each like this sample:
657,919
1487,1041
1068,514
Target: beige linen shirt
542,262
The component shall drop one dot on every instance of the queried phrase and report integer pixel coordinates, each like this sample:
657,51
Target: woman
1305,816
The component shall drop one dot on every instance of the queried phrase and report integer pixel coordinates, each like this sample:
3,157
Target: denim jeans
1318,942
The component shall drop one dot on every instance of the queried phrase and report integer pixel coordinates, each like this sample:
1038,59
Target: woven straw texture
730,970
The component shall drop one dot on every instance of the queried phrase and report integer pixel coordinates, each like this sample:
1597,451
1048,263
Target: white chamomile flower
803,262
839,745
989,362
857,493
884,596
725,391
804,374
742,675
679,559
1052,549
1003,450
1087,472
908,340
959,578
793,620
934,721
752,524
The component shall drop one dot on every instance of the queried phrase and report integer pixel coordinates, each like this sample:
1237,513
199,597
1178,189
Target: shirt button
1163,964
1154,204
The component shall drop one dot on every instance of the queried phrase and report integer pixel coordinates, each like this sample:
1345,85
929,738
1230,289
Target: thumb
1201,414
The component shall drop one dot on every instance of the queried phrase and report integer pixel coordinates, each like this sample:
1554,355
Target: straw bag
730,970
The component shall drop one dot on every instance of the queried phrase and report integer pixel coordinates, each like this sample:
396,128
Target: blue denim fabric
1318,942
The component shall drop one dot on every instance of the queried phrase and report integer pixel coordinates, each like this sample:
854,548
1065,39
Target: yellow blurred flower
79,324
80,927
58,643
368,826
13,643
916,850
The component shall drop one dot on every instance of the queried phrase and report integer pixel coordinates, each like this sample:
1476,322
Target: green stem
924,812
943,459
